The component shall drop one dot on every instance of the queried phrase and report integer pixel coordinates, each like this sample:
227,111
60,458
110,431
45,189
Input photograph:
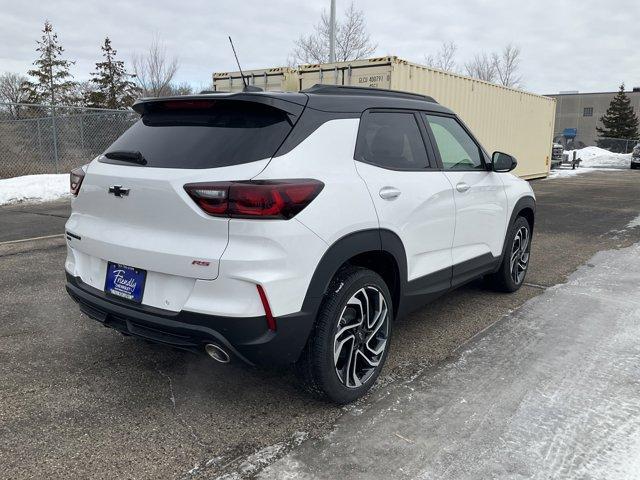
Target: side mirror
503,162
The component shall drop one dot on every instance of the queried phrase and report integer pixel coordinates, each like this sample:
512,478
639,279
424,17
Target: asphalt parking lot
79,400
22,221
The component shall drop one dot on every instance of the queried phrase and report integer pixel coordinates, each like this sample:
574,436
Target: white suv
291,227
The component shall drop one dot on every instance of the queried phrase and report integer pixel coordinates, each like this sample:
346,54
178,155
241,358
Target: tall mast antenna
244,80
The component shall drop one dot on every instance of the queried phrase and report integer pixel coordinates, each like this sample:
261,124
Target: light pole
332,32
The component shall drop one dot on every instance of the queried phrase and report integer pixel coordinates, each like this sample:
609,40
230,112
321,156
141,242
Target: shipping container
503,119
279,79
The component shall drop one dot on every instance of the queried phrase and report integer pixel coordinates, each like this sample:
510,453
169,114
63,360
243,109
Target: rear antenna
247,87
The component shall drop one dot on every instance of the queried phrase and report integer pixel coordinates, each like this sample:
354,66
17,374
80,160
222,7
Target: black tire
316,367
506,279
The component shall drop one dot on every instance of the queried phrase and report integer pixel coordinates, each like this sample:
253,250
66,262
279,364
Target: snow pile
593,157
40,188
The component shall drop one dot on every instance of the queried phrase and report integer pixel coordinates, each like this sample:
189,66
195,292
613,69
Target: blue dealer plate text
125,282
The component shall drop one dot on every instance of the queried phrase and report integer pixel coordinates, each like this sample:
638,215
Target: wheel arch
524,207
379,250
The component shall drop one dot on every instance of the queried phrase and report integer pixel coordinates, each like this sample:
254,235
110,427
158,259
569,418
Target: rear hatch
137,213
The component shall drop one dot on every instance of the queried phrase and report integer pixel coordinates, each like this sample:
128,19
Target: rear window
205,134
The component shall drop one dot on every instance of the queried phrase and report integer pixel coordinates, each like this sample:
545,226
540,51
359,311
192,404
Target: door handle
389,193
462,187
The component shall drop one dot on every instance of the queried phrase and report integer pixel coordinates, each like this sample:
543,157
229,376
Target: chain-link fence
42,139
618,145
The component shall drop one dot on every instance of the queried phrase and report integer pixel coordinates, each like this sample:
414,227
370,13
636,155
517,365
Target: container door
357,73
374,76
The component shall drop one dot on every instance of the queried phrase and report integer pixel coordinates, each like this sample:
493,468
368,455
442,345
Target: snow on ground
563,172
39,188
593,159
240,467
634,223
550,391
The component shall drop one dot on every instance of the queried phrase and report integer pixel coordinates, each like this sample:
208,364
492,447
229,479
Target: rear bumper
247,338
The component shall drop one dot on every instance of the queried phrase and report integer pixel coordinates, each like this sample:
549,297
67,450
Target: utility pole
332,33
54,133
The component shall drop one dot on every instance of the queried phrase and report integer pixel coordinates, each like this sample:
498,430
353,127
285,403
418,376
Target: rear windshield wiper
127,156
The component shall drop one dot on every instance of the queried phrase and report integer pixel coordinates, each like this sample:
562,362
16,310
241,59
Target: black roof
327,98
338,98
369,91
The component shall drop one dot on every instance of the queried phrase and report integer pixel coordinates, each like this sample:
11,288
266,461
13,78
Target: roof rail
379,92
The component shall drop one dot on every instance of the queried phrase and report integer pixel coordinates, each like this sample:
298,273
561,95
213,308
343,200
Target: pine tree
53,83
112,87
620,121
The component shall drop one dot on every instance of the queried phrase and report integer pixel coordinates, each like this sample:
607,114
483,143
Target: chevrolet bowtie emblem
118,191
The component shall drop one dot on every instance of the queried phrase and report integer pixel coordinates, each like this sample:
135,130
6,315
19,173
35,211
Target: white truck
635,157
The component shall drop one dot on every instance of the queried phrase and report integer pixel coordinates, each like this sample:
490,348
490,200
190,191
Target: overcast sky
585,45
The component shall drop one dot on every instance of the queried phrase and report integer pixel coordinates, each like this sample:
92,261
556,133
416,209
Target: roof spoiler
292,106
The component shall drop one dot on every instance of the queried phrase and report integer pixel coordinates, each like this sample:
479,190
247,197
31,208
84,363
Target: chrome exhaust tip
216,352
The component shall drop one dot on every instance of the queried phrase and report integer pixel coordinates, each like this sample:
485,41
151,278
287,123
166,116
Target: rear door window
391,140
205,134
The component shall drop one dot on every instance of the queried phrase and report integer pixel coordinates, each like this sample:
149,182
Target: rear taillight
266,199
75,180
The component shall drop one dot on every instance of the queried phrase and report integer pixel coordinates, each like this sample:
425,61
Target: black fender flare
523,203
345,248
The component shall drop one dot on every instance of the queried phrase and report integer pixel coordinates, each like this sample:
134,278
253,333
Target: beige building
582,111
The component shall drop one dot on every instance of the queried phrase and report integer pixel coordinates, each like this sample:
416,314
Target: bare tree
12,87
79,94
352,40
499,67
482,67
183,88
12,91
507,64
445,59
154,71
